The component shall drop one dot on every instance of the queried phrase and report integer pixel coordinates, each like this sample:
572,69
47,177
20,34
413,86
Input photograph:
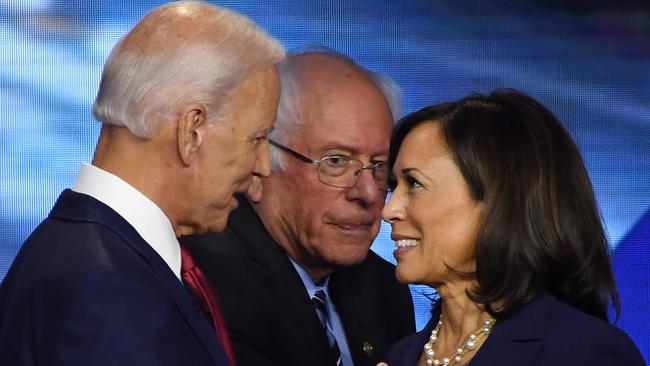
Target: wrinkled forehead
350,132
352,115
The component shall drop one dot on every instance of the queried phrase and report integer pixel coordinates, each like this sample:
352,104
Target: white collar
142,213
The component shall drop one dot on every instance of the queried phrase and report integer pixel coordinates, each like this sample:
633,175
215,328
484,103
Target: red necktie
200,287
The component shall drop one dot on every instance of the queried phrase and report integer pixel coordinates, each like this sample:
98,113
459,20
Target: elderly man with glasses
295,277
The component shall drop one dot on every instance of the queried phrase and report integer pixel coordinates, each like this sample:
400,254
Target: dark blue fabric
86,289
544,332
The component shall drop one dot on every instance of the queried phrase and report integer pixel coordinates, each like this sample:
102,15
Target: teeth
406,243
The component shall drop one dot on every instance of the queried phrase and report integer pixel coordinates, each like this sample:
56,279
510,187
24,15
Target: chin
343,258
216,228
401,278
218,222
405,277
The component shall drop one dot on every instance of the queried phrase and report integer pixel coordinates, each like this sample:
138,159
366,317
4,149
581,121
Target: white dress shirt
142,213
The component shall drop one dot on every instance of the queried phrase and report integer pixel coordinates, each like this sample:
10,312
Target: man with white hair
296,280
187,99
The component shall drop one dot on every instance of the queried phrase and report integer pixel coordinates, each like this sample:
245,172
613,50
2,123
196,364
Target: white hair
142,87
290,114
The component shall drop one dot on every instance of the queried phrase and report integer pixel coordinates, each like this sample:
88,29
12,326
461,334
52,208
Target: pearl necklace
468,345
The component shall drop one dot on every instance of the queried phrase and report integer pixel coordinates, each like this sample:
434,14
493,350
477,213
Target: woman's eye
412,182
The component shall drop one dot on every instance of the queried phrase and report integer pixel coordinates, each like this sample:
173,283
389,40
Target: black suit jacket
269,313
544,332
85,289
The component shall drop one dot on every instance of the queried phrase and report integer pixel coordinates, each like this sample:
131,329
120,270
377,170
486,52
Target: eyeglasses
340,170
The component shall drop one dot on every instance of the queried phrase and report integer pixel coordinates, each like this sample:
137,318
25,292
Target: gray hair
289,115
144,85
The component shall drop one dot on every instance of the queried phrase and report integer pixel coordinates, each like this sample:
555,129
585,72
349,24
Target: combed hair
290,114
140,90
541,230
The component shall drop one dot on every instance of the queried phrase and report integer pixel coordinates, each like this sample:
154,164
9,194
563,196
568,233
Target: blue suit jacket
86,289
544,332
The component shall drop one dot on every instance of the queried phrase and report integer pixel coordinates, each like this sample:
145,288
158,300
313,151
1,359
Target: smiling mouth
407,243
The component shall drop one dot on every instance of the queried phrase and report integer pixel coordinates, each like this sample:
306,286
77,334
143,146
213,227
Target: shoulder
574,336
61,251
592,340
61,257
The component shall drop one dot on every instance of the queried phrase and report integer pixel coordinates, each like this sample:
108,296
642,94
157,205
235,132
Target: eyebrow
409,171
349,148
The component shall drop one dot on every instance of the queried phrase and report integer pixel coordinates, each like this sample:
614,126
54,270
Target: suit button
368,349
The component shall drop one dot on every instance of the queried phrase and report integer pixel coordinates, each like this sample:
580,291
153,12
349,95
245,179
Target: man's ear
190,132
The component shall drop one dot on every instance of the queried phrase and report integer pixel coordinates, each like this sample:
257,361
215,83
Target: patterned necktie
201,289
320,303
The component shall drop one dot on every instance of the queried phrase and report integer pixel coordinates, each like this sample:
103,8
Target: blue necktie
320,303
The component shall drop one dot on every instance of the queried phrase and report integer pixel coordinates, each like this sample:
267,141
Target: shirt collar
138,210
310,286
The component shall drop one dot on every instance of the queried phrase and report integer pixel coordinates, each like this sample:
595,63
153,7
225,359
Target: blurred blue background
589,61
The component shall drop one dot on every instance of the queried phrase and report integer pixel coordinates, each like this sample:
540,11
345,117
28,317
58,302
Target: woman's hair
541,228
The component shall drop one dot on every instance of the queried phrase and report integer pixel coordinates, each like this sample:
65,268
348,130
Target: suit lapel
517,339
296,308
84,208
359,320
284,283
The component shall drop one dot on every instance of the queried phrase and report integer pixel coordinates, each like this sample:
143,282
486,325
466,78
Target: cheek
239,167
450,241
311,215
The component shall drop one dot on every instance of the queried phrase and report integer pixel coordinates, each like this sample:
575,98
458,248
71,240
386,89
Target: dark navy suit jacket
86,289
544,332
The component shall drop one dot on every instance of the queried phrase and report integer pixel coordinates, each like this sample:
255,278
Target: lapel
80,207
308,340
351,293
517,339
407,351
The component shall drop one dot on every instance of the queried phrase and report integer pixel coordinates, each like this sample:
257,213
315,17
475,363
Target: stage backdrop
589,61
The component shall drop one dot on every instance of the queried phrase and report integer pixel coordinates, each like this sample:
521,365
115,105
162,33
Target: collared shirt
139,211
336,326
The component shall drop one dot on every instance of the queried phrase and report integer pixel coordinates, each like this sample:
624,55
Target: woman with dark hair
492,206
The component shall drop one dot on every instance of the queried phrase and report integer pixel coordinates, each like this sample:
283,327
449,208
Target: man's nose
262,161
366,189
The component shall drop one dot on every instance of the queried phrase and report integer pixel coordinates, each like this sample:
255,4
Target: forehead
350,113
421,146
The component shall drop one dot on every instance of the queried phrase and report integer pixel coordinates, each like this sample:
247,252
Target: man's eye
259,139
336,160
